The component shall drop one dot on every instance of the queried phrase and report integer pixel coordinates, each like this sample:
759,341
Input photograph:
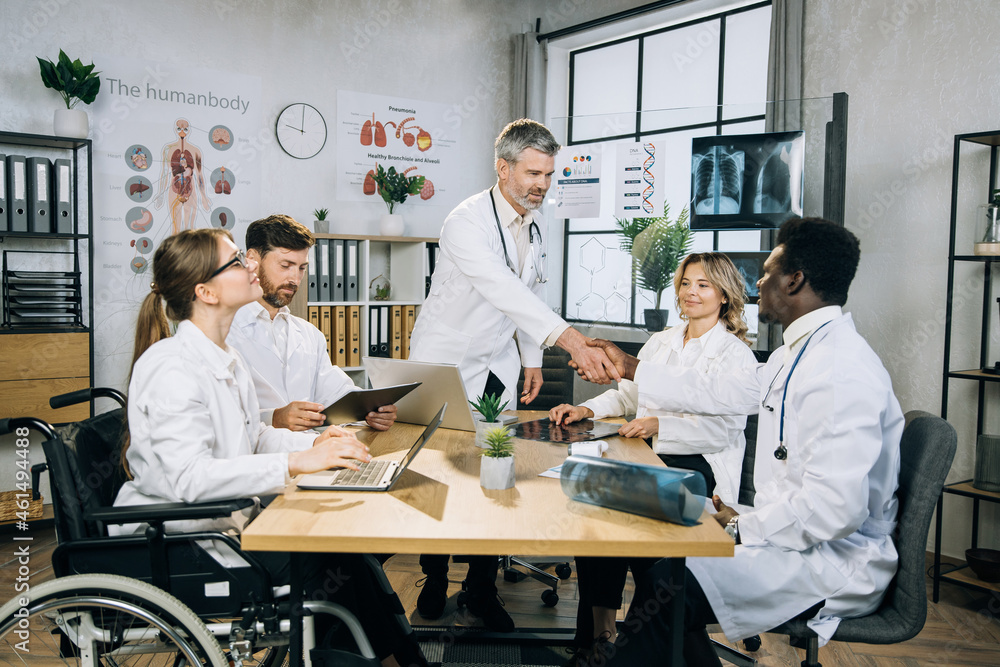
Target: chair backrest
747,490
85,471
927,449
557,381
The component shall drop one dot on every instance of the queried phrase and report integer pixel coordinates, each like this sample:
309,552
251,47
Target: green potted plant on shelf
497,468
657,246
489,409
76,83
394,187
322,225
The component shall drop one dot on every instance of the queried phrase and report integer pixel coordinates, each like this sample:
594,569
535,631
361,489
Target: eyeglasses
241,259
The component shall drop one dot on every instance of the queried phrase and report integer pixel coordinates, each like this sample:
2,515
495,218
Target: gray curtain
784,66
784,108
528,99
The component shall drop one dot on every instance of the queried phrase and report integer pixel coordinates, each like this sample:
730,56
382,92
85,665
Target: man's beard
522,200
271,294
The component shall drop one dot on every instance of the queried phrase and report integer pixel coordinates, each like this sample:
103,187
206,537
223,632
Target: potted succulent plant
497,469
657,246
394,187
322,225
489,409
76,83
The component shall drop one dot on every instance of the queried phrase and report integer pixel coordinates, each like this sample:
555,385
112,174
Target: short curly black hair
826,253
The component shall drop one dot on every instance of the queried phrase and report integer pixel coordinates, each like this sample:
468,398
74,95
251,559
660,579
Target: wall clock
301,130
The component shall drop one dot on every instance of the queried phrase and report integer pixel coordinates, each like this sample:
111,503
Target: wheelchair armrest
158,512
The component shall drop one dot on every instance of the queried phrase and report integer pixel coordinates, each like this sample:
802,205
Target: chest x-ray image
751,181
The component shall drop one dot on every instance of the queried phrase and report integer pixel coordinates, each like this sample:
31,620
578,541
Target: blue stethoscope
534,244
781,453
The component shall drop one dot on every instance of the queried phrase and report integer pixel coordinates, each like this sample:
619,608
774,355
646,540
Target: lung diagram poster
175,147
393,132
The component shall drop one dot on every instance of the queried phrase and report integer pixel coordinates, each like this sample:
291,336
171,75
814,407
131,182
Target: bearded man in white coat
818,541
486,289
287,356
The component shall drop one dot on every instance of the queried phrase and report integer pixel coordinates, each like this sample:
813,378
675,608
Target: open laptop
376,475
439,382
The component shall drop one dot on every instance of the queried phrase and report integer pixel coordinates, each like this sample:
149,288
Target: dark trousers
347,580
645,635
482,576
601,581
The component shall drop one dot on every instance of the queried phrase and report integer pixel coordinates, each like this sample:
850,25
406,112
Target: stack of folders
333,270
40,298
341,326
36,195
389,329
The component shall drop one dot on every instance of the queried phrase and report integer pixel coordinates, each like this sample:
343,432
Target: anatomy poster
393,132
578,182
639,175
173,149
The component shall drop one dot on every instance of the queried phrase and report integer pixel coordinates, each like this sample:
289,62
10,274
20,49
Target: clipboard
355,405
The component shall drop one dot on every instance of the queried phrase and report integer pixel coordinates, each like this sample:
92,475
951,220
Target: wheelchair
153,598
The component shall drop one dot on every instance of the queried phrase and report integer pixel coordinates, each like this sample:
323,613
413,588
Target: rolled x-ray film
663,493
590,448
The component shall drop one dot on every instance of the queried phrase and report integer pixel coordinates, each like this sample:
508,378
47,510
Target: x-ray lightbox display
751,267
746,181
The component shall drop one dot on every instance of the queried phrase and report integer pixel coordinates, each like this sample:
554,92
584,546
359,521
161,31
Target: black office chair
927,449
200,584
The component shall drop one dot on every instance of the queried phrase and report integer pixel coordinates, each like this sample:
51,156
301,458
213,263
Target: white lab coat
195,431
821,524
476,303
718,438
303,372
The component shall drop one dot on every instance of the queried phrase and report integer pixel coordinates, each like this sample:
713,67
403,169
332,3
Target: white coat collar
222,363
711,341
254,311
508,216
795,335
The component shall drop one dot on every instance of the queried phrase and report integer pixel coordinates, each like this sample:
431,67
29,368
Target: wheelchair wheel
94,620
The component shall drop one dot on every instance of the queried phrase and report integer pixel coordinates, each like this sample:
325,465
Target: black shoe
489,607
433,597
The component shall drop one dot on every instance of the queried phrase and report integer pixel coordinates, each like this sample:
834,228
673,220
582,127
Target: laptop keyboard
368,475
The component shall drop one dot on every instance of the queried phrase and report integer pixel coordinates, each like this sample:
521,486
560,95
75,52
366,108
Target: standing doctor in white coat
818,540
486,288
288,357
489,279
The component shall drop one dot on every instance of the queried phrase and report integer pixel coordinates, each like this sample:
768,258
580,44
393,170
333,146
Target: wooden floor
962,629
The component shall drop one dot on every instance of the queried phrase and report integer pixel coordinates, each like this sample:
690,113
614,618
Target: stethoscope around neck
534,244
781,453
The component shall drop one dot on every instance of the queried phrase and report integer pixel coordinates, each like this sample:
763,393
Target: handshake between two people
594,359
617,364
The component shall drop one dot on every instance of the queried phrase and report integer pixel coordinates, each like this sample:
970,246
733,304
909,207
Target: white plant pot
496,473
71,123
481,429
391,225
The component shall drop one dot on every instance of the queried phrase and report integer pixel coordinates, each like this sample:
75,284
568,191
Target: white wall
917,72
457,52
452,51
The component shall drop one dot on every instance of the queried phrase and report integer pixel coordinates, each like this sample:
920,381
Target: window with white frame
701,77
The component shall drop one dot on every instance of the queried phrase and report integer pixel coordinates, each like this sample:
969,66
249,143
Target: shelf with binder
46,282
337,289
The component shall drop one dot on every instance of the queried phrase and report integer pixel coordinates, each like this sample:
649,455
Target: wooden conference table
438,507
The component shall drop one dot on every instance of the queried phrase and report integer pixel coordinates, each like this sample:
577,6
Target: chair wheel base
563,570
550,598
752,643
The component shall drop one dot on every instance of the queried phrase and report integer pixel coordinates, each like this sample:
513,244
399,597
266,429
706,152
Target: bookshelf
403,260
